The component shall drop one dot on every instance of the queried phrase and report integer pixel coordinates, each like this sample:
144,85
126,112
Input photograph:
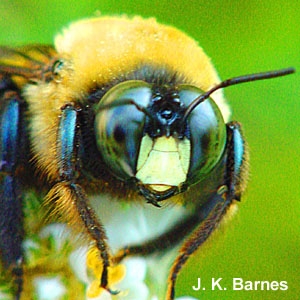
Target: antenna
234,81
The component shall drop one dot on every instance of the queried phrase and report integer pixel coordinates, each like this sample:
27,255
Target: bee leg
215,209
237,161
11,213
163,242
69,196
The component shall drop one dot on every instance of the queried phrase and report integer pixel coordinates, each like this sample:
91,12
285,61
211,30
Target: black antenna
233,81
125,102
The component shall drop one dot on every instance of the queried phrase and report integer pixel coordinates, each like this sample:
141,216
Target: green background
262,241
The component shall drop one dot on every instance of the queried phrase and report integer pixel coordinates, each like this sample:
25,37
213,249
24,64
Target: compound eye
207,134
119,126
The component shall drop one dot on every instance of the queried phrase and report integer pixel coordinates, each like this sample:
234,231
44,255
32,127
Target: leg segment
219,204
11,214
70,199
167,240
237,161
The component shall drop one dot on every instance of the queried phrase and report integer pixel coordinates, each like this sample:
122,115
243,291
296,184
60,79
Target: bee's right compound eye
119,126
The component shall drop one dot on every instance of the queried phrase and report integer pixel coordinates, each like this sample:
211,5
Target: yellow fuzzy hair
95,51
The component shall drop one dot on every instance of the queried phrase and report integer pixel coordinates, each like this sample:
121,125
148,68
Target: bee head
141,136
164,138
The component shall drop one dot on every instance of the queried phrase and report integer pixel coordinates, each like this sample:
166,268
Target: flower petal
77,261
136,268
49,288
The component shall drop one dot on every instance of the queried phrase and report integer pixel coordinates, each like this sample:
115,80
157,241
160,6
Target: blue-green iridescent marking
9,133
67,129
238,149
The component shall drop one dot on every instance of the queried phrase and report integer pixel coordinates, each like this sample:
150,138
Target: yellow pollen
115,273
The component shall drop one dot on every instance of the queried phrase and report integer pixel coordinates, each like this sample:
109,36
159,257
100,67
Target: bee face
141,135
118,104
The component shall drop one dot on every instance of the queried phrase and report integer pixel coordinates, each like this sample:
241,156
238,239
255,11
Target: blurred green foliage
262,241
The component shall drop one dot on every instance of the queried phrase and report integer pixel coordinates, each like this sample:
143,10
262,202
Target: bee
124,107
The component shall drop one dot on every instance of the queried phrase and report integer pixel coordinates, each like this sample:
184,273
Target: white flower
146,277
49,288
126,224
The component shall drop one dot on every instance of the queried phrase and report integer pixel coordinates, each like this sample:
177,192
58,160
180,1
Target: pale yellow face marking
164,162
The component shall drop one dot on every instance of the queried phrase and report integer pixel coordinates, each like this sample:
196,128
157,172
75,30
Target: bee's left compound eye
119,126
207,133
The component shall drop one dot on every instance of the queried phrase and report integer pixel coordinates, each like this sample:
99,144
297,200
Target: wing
26,64
17,67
